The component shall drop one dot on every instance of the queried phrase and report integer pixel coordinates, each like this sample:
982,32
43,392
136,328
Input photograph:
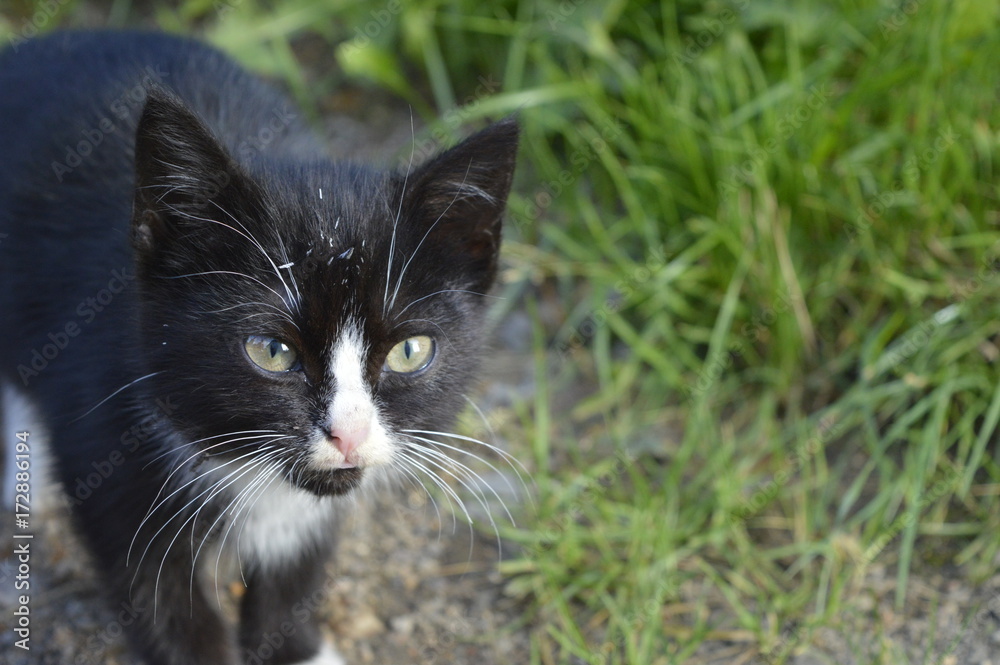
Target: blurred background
747,342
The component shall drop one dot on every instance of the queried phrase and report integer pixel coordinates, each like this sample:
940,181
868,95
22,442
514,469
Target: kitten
225,330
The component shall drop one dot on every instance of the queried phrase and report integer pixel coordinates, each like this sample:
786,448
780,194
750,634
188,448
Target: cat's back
70,103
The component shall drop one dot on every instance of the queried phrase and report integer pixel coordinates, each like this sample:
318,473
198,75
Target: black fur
133,161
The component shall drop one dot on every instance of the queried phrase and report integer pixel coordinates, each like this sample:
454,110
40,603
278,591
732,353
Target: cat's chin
335,482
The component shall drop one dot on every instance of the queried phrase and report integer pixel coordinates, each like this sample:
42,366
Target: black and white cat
232,328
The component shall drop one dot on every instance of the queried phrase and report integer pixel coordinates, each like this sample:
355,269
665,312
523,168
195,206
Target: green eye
271,354
410,355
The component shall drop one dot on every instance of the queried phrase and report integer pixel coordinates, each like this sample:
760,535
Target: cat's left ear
181,171
459,198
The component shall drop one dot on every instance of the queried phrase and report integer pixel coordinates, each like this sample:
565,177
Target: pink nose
348,439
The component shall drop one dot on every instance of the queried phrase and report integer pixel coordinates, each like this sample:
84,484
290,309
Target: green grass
767,239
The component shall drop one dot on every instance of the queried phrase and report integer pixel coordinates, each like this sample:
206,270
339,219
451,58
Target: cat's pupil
270,353
411,355
284,404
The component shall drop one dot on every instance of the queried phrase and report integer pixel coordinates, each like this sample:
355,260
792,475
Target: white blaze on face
359,437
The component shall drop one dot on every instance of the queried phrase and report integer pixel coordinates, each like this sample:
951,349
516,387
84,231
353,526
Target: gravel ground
944,621
399,594
409,586
404,588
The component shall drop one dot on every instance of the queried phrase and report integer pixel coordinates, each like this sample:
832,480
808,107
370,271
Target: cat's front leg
177,623
279,613
148,564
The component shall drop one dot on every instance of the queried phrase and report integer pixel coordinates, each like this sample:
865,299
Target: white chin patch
327,656
352,409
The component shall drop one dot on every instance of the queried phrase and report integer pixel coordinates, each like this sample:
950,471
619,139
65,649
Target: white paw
327,656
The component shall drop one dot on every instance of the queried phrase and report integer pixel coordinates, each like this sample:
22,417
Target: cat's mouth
329,482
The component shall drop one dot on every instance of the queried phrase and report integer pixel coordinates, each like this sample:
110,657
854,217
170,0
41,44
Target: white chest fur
282,522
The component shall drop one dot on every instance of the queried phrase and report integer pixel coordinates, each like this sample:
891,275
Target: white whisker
253,303
217,488
183,465
262,432
415,481
232,504
475,293
431,457
213,490
474,475
453,499
399,212
237,274
249,236
127,385
271,476
221,515
189,482
507,457
399,280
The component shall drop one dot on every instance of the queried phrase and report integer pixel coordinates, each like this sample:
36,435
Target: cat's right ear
181,171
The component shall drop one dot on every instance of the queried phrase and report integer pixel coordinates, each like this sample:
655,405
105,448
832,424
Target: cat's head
306,315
